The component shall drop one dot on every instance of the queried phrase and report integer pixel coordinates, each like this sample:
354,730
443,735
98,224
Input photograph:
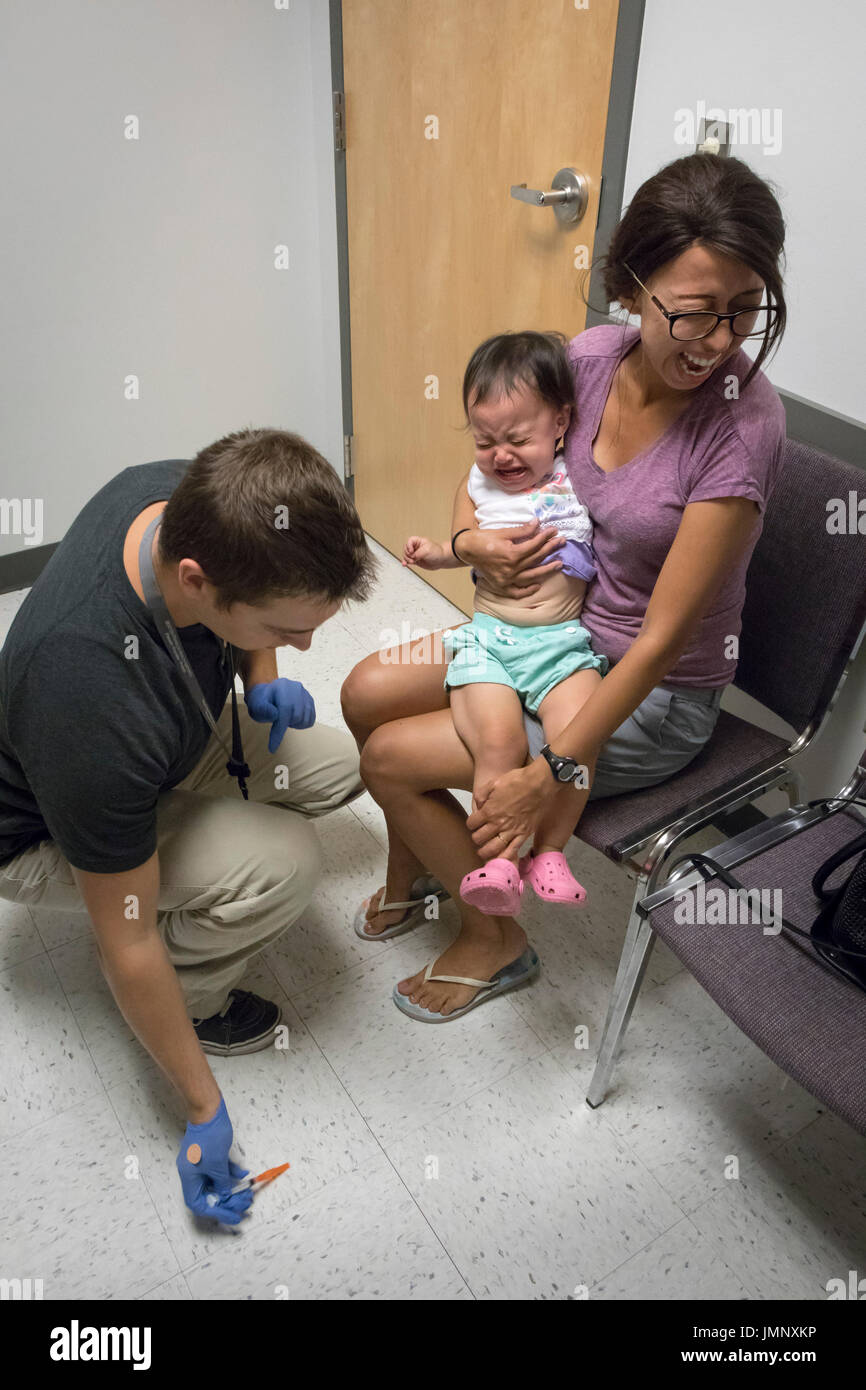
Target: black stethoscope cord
236,767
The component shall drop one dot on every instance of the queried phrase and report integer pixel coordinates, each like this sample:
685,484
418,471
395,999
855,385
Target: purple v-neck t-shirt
718,447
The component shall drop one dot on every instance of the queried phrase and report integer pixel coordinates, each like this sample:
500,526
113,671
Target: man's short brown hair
266,517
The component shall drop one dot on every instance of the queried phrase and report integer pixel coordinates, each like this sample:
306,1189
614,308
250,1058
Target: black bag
839,930
838,933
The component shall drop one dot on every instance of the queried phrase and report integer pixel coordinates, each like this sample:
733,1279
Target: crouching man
115,796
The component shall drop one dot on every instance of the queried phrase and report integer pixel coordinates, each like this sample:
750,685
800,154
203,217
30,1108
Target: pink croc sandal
551,878
495,889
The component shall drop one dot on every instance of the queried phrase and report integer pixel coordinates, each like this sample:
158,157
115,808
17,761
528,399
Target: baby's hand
418,550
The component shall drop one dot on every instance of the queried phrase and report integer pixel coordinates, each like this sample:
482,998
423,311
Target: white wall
806,62
155,256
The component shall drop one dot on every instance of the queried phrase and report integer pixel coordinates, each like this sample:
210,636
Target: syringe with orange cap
255,1183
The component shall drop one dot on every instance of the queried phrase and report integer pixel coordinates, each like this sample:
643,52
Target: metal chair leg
793,787
636,950
641,888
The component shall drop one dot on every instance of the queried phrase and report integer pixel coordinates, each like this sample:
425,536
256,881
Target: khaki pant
234,874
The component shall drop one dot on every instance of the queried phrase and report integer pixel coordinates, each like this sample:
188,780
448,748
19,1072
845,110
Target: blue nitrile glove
284,704
214,1171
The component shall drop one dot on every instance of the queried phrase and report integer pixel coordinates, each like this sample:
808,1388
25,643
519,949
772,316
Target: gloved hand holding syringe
213,1185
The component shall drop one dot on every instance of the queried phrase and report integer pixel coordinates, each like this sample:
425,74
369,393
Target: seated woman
674,447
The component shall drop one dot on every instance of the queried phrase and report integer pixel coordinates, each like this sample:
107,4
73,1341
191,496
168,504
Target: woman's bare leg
394,684
405,763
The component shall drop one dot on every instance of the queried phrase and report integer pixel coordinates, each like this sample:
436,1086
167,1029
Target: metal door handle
568,197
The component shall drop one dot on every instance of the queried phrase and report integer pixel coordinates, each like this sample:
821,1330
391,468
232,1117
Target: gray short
667,730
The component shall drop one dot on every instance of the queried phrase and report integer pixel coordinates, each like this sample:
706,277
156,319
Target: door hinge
348,456
339,121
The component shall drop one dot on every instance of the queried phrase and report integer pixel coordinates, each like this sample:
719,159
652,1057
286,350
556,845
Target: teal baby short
531,660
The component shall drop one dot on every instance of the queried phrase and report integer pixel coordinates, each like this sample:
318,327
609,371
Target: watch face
567,769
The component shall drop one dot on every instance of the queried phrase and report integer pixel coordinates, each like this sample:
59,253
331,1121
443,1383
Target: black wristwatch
563,769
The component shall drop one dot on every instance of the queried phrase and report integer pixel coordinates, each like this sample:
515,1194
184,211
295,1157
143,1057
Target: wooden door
448,103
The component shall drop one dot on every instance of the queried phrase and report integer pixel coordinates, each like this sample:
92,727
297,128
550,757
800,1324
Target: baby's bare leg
557,710
489,720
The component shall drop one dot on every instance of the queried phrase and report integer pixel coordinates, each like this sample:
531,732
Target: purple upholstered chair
803,620
806,1016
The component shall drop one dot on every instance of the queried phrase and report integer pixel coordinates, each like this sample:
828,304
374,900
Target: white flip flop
422,890
518,972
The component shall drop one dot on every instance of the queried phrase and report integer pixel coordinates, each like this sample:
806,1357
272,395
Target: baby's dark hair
539,360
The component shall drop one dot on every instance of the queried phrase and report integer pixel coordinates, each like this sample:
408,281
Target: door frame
614,159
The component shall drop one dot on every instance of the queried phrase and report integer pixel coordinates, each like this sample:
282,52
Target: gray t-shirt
88,736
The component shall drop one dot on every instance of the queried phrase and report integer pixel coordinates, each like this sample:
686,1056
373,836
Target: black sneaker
247,1023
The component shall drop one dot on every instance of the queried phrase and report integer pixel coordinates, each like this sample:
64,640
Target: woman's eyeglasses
745,323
